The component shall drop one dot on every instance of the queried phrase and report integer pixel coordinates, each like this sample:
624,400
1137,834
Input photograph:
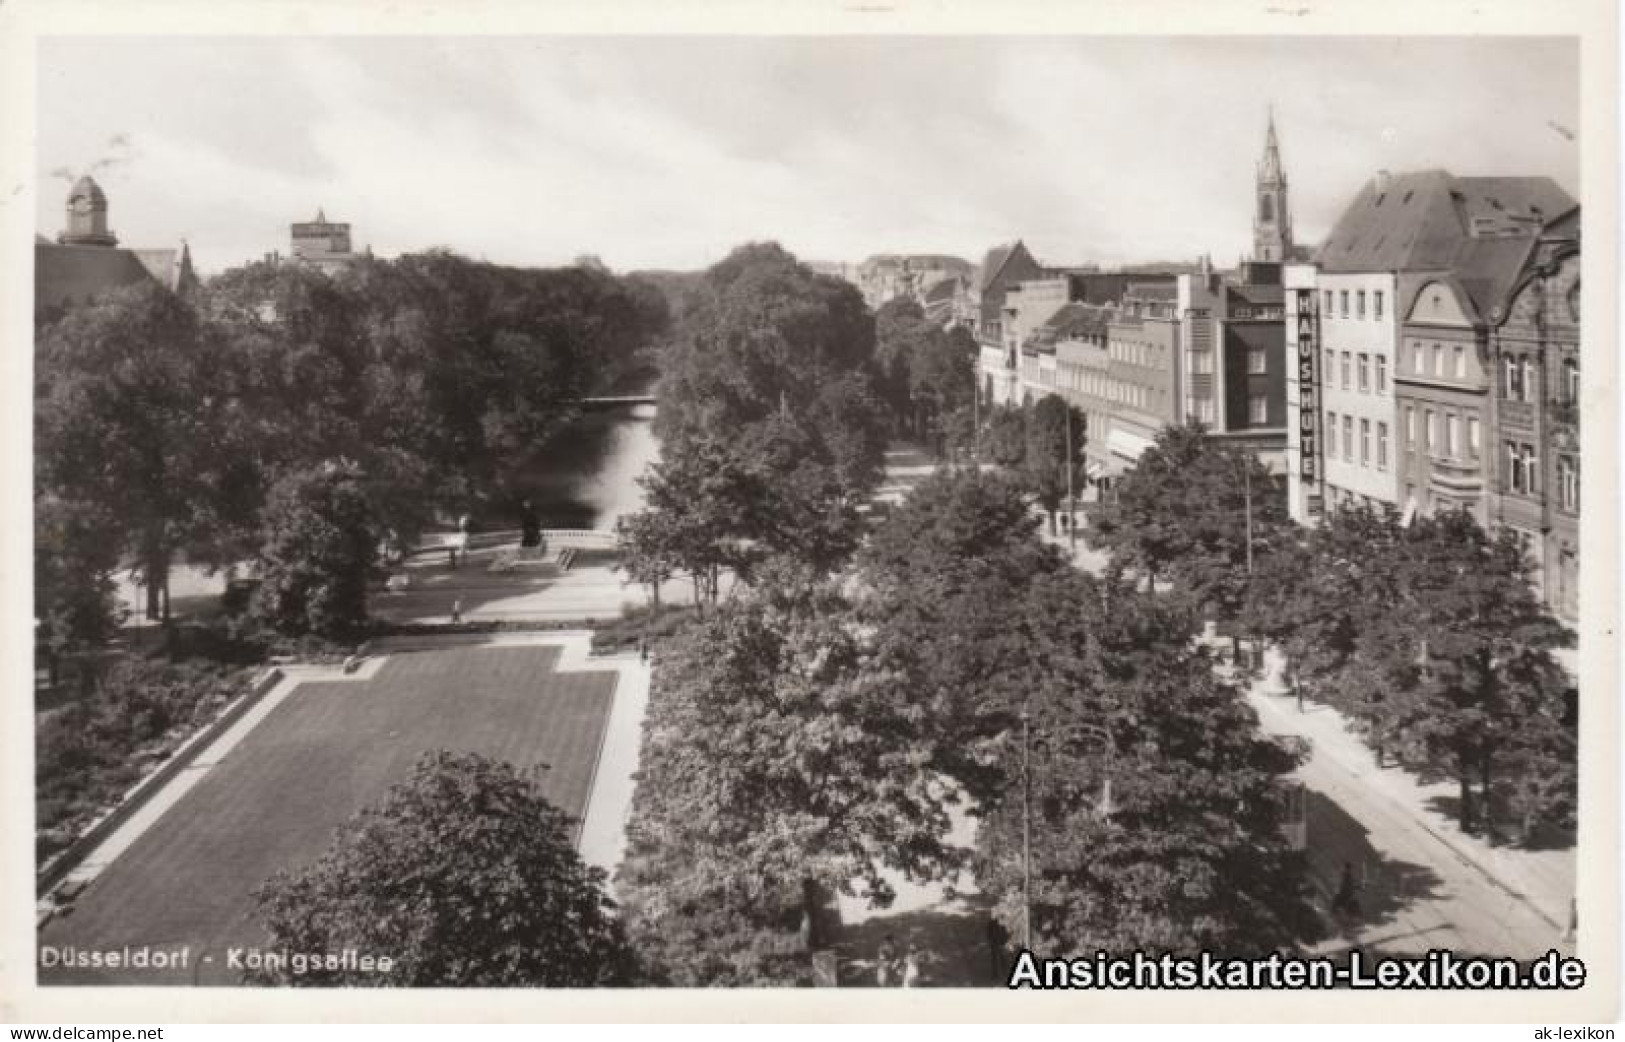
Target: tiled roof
67,274
1075,320
992,264
1152,291
942,289
1417,221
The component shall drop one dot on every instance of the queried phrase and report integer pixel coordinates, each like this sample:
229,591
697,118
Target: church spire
1269,169
1272,219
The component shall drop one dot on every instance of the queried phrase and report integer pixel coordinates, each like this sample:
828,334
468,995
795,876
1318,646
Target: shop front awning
1127,444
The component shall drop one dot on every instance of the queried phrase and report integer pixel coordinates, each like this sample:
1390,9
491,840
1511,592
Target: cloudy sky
666,152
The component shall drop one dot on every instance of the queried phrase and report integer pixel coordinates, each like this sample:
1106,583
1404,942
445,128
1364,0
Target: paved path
1426,883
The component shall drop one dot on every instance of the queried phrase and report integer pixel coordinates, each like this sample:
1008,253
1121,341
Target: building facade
1535,442
1348,304
321,244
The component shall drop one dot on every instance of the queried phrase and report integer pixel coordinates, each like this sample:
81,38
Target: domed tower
1272,220
87,216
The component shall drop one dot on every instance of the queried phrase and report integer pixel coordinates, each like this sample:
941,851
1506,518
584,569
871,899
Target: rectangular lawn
324,753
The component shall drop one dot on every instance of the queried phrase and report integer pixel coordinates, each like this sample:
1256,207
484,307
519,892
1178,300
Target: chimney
1384,179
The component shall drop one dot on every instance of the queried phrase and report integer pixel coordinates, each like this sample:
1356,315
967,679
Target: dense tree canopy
772,431
465,876
1430,638
164,421
774,770
134,422
1184,512
976,624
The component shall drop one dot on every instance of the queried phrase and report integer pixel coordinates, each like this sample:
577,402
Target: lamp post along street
1071,503
1247,501
1026,835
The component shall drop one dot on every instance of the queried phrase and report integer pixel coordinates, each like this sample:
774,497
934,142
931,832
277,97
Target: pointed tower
1272,218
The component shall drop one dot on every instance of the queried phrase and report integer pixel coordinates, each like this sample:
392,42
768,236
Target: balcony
1449,476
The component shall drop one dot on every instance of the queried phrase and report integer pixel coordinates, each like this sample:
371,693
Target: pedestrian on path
911,968
530,526
459,540
884,962
1346,903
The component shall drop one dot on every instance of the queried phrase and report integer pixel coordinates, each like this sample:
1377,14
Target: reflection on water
587,476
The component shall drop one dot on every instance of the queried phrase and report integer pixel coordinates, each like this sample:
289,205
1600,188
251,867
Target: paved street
1425,883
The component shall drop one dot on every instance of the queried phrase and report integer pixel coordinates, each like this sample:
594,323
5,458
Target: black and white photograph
1036,510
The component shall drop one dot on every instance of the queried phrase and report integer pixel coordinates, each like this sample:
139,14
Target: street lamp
1103,810
1071,502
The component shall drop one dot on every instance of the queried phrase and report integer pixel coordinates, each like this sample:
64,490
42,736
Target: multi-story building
1534,356
1345,311
1442,374
1233,357
998,362
1144,381
86,260
321,243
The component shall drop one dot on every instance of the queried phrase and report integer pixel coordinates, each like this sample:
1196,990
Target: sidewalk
1513,899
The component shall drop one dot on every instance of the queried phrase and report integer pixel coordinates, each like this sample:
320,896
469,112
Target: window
1382,445
1365,443
1452,436
1382,374
1343,302
1345,370
1410,428
1515,476
1328,303
1201,363
1365,371
1529,380
1416,358
1329,368
1258,409
1359,304
1460,371
1376,305
1571,381
1331,435
1568,482
1472,436
1257,362
1531,466
1438,360
1348,438
1431,433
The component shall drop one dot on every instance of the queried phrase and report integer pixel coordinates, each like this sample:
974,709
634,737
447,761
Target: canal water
587,476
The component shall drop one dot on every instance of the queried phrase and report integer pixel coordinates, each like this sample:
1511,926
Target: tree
774,770
1004,437
465,876
320,543
776,364
76,548
1429,637
1048,452
1187,511
939,577
131,418
1156,806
